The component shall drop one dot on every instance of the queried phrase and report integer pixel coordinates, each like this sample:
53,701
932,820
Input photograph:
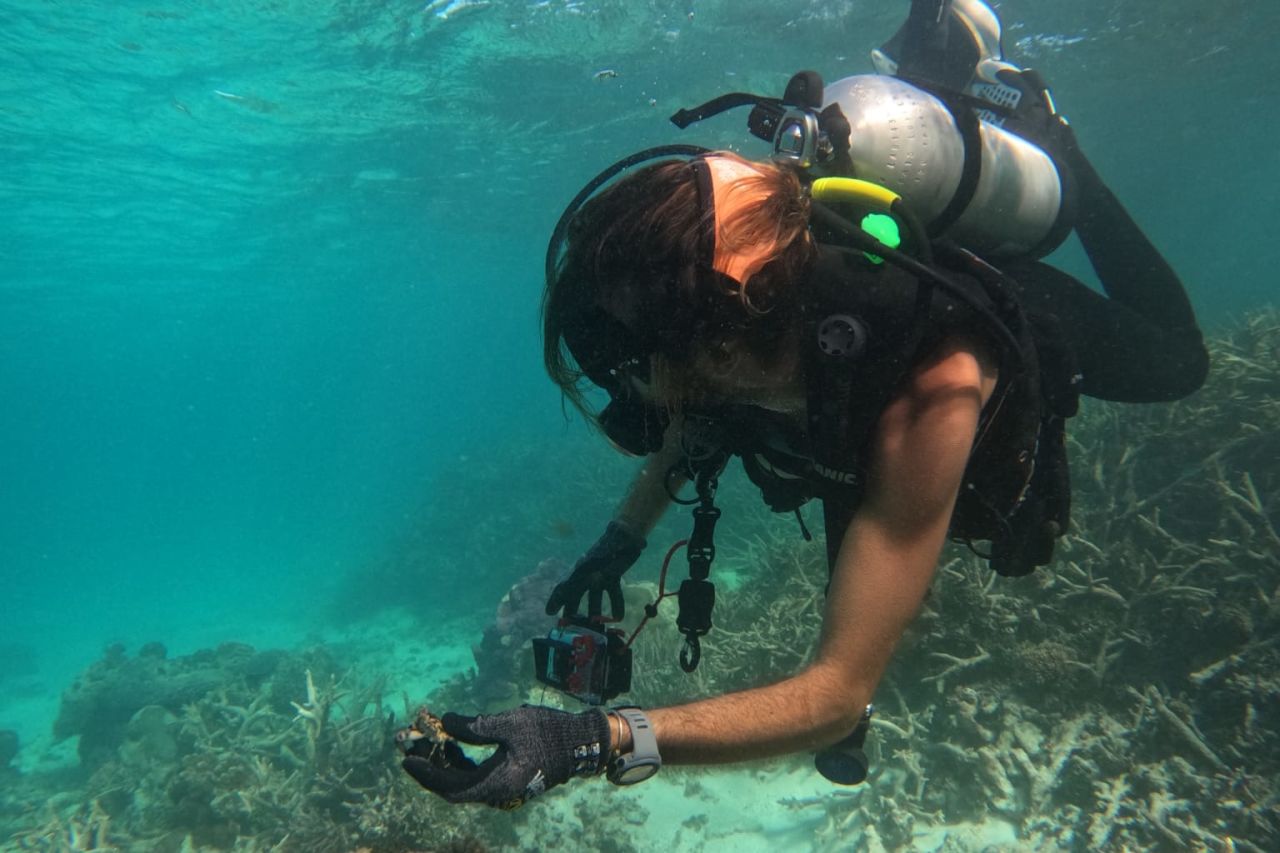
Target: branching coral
1126,697
241,769
85,827
766,619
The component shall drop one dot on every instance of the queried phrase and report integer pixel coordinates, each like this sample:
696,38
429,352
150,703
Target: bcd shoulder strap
1015,492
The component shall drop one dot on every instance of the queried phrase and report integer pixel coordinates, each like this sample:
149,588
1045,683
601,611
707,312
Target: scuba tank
967,180
985,188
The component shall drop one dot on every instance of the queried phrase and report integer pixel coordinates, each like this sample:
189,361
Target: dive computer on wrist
643,760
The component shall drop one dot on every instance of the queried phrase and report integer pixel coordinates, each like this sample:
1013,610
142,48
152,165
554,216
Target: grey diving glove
537,749
599,571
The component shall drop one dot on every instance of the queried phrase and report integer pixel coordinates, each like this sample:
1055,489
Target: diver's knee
1189,370
1198,371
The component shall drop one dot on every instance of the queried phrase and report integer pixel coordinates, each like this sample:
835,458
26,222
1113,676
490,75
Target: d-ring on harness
697,594
704,457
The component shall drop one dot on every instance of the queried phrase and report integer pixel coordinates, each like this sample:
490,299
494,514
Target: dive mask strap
684,117
800,130
562,225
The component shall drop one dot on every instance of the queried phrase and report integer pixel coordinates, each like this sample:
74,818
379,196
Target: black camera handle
697,596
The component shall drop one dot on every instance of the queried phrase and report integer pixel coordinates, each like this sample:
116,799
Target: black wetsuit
1138,344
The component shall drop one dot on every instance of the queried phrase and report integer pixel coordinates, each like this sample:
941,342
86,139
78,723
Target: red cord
662,586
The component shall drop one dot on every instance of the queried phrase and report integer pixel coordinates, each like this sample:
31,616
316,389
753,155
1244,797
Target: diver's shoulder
961,364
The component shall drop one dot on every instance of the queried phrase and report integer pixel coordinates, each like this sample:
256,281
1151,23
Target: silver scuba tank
908,141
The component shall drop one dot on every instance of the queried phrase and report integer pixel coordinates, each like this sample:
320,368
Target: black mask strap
707,217
562,225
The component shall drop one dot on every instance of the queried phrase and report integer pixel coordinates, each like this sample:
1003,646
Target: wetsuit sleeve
1130,267
1140,342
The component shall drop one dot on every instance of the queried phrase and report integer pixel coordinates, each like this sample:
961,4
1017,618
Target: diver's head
679,264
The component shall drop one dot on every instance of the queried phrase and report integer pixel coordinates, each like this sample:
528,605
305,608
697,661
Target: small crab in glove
426,738
531,750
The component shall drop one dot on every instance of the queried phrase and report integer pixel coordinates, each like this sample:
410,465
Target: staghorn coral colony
275,751
1125,698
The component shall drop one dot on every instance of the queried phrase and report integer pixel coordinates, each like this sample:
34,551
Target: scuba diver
827,317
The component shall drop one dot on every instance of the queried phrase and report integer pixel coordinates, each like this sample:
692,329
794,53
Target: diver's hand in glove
537,749
599,571
1036,117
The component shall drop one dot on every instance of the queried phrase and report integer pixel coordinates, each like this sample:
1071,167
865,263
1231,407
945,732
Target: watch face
633,773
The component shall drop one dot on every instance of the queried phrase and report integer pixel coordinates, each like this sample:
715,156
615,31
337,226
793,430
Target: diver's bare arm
884,567
647,498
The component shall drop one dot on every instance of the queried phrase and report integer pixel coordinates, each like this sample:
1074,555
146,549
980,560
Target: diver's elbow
836,705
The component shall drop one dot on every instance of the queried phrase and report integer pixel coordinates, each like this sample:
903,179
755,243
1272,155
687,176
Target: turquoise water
271,273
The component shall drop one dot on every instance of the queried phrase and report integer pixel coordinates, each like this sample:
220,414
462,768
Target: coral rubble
1125,698
230,749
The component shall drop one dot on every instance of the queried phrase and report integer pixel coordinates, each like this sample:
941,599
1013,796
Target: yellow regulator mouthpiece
855,191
